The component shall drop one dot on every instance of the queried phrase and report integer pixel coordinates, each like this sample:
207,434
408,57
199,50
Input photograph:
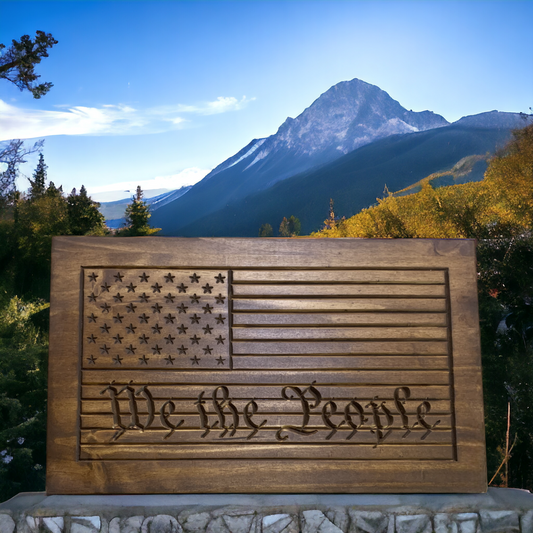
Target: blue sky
160,92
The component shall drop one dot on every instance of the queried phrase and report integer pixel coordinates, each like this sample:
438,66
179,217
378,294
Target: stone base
498,511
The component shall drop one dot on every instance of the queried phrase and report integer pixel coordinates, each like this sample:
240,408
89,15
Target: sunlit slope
354,181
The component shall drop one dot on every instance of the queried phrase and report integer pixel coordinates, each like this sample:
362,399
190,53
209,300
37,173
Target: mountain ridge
349,114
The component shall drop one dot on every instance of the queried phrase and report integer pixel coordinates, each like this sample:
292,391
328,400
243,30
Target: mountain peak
349,115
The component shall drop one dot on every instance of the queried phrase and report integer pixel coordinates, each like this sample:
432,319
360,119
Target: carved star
183,350
104,349
144,360
105,308
194,278
157,308
182,329
131,287
144,318
207,350
207,309
92,297
118,338
195,319
195,340
131,308
117,360
169,278
220,339
92,339
170,360
118,318
144,339
194,299
182,308
183,288
131,349
207,288
169,299
144,297
208,329
118,297
93,276
220,278
169,319
220,319
105,328
157,287
118,276
195,360
220,299
92,317
170,339
144,277
131,328
105,286
220,360
92,360
156,329
156,349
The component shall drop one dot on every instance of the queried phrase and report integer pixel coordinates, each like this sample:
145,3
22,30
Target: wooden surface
264,365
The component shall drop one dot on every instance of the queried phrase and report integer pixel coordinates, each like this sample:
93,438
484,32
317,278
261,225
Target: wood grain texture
281,365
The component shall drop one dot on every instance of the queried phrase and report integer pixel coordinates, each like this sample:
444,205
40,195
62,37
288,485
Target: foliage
266,231
17,63
38,183
12,155
499,212
83,214
23,376
137,216
290,228
506,311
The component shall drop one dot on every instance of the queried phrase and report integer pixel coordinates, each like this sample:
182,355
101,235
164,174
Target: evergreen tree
83,214
290,227
266,231
284,228
17,63
137,216
295,226
38,183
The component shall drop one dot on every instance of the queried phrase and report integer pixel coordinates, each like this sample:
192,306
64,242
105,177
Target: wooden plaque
264,365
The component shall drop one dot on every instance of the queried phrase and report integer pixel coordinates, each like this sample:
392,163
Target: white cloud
188,176
108,119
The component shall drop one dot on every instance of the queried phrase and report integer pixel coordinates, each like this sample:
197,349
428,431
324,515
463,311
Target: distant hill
354,181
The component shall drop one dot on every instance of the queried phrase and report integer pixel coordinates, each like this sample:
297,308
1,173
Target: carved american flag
212,319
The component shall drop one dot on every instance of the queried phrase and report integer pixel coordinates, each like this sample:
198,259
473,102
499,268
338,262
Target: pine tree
38,183
284,228
84,216
295,226
266,231
137,216
290,227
